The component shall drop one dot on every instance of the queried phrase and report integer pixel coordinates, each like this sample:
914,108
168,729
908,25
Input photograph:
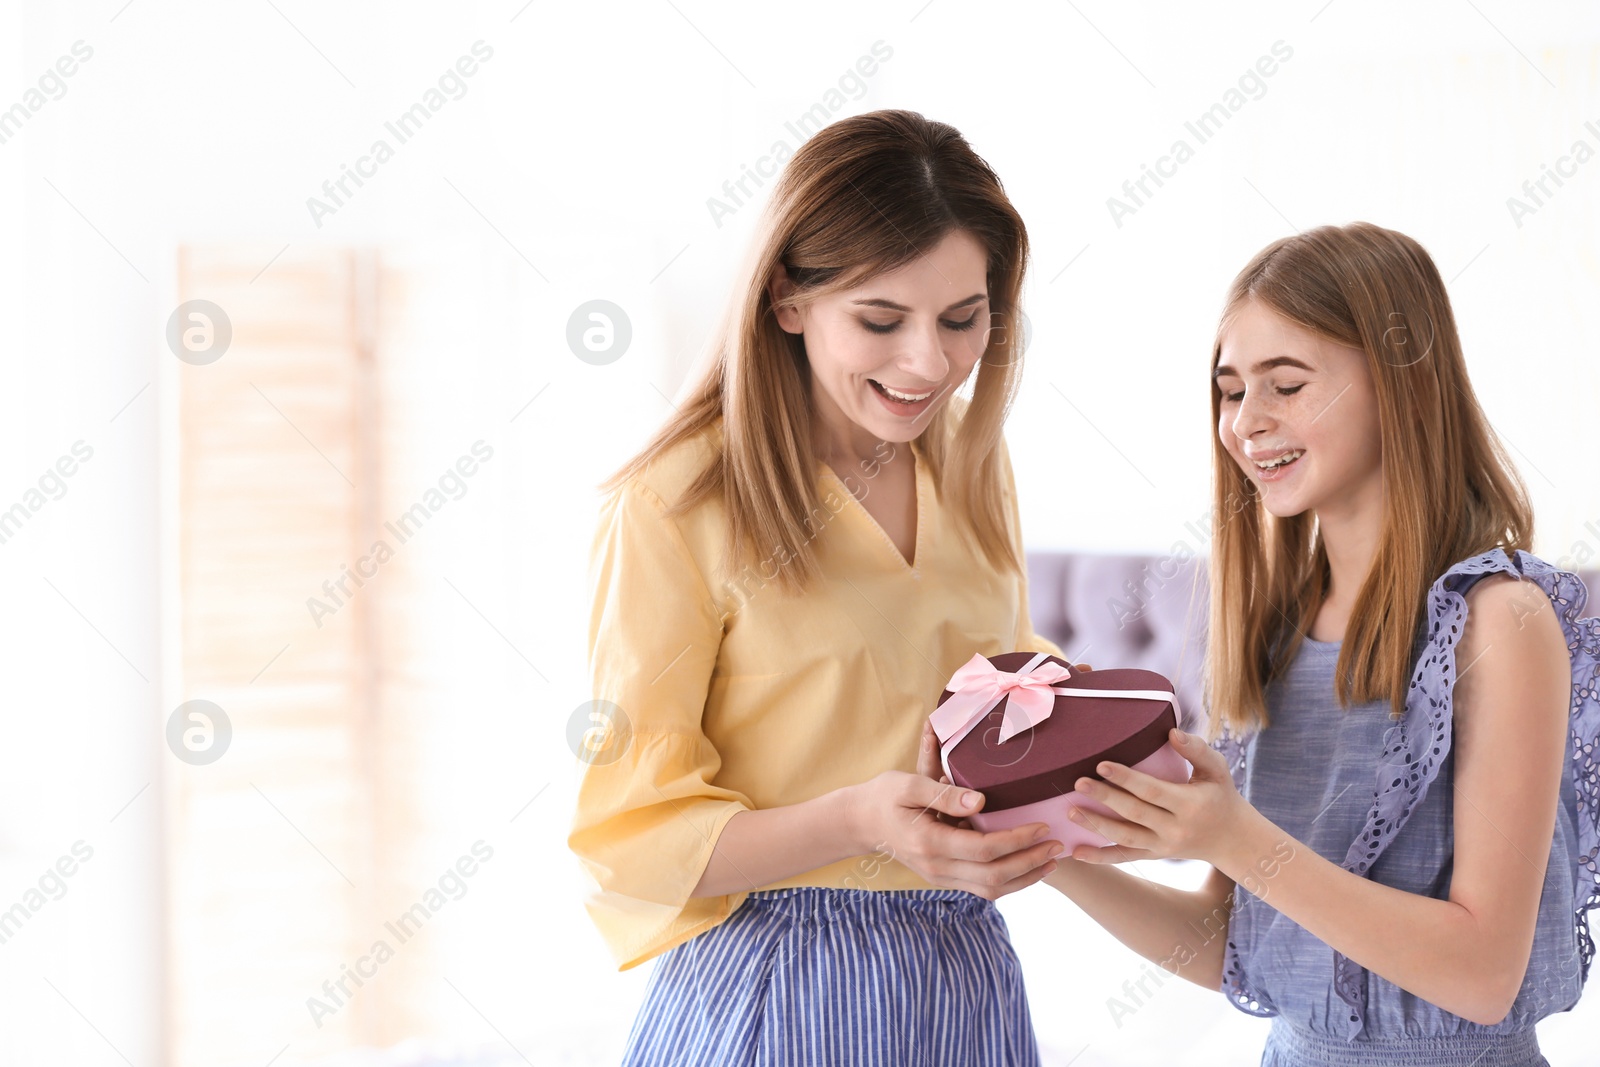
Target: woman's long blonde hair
1449,490
862,197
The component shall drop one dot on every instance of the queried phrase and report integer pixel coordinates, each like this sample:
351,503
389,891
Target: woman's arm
1467,953
895,816
655,827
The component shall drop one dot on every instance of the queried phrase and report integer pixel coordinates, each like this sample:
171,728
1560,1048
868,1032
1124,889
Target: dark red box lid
1047,760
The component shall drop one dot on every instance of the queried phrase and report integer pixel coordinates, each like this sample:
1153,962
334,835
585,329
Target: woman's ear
779,287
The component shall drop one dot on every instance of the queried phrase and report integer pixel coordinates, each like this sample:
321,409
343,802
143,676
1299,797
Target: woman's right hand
919,821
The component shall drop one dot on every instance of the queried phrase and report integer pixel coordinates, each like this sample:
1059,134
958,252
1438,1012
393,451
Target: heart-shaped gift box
1022,728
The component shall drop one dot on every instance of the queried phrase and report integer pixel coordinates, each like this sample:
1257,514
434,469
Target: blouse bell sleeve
648,812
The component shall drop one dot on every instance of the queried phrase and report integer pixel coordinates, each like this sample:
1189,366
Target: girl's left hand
1164,820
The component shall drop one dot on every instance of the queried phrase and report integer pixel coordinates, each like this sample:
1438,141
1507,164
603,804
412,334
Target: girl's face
885,354
1299,415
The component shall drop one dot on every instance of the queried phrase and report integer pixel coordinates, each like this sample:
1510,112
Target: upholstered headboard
1125,611
1138,611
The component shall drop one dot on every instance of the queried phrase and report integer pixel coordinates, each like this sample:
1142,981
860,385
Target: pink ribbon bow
978,685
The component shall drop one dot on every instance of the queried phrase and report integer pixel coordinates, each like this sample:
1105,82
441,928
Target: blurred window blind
281,853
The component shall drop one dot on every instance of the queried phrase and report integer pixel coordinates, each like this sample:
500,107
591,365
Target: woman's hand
928,816
913,819
1156,819
921,822
928,766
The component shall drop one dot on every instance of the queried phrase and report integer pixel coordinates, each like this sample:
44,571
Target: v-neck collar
922,488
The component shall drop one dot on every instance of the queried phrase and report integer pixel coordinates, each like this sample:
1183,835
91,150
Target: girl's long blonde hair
862,197
1449,490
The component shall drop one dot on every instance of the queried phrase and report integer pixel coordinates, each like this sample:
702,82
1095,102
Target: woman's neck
837,440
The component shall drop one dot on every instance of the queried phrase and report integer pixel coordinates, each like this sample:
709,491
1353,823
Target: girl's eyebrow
1223,370
890,305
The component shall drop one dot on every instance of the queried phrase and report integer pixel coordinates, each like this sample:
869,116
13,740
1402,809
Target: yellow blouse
743,697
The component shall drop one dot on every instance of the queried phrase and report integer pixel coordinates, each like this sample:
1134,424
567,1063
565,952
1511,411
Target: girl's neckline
1312,641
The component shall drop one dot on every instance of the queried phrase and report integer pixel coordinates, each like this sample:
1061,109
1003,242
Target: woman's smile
903,403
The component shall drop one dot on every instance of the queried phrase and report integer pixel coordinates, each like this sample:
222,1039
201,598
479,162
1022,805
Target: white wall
578,165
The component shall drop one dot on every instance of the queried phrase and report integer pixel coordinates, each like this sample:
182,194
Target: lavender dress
1375,795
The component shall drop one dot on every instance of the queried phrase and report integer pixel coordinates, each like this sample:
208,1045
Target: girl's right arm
1183,931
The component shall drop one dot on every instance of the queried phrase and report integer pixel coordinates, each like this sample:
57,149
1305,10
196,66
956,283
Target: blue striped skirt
841,976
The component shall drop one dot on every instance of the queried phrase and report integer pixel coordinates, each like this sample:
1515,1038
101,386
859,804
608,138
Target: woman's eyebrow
890,305
1223,370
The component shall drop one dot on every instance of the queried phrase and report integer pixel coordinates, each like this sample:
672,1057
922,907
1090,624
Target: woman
784,579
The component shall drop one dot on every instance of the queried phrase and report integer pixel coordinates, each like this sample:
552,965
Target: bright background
577,166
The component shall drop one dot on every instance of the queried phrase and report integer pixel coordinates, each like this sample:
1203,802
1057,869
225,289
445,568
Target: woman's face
885,354
1299,414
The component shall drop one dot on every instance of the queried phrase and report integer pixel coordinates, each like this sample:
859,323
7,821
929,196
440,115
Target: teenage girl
784,580
1403,830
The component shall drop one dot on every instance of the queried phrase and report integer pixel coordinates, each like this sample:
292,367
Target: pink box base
1164,763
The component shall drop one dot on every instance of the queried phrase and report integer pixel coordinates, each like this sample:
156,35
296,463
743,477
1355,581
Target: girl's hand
1164,820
